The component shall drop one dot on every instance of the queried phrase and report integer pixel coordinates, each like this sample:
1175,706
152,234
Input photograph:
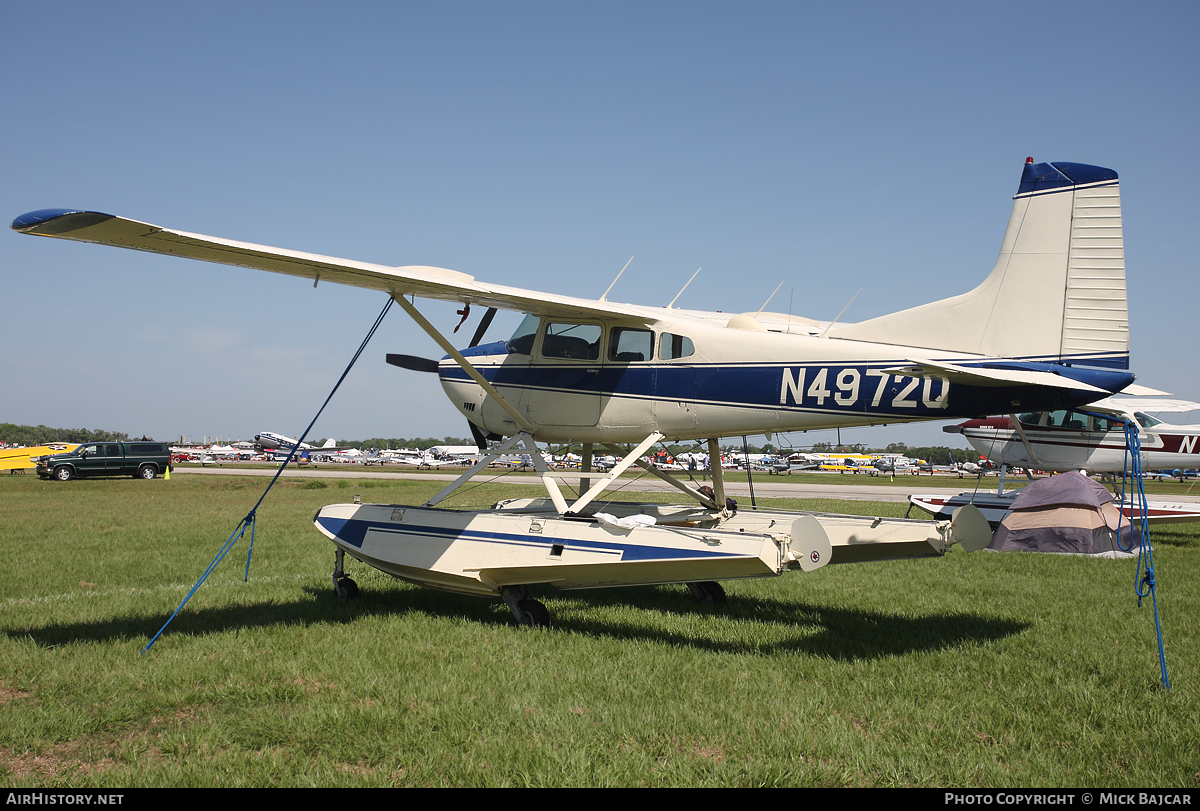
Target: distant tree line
40,434
420,443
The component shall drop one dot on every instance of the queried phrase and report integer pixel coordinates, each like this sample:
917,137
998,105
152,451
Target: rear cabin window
627,345
676,346
572,341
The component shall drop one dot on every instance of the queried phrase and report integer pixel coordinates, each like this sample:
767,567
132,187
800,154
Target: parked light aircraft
1046,330
1090,439
13,459
455,451
267,441
427,458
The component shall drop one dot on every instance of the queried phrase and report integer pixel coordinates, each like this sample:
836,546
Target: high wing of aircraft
1046,329
1091,438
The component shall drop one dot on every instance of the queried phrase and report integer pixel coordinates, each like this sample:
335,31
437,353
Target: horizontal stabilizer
1144,391
976,376
1125,405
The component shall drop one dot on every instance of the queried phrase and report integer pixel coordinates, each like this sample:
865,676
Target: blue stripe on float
353,532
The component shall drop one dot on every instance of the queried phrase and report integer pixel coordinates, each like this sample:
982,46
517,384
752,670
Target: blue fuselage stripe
838,388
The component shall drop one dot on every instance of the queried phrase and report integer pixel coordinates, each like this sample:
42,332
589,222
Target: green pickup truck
142,460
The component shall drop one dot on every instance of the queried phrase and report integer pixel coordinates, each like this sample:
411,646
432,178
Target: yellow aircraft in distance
22,458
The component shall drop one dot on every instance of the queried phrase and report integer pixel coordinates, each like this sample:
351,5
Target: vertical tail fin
1057,292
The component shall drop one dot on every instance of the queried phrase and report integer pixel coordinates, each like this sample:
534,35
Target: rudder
1057,291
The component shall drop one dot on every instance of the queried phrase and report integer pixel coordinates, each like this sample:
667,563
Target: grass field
978,670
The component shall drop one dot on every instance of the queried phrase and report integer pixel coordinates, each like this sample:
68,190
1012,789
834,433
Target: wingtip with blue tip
52,221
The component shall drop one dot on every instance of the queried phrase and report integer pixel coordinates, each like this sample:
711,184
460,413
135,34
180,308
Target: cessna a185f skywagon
1046,330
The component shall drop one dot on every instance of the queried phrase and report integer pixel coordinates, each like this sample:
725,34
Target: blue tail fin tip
1040,177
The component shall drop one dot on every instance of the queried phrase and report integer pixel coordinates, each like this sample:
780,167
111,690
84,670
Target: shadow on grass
1178,536
816,630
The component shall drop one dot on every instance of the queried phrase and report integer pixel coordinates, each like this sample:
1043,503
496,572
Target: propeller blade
484,323
479,435
413,363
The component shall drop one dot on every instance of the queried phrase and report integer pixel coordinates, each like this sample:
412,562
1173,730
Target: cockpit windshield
521,342
1145,420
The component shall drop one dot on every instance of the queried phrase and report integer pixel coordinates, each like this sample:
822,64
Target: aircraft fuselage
614,382
1081,442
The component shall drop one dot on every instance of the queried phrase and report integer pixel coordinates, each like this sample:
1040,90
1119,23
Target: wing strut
522,423
1025,440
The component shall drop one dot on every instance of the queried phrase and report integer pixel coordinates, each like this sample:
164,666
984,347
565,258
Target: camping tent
1068,514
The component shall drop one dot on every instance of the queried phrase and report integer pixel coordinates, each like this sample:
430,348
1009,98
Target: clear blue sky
831,147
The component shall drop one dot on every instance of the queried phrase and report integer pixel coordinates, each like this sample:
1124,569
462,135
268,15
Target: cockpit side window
572,341
1076,421
626,344
1105,424
675,346
1057,418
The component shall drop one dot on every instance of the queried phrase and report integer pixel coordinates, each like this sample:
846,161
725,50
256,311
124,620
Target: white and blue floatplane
1046,330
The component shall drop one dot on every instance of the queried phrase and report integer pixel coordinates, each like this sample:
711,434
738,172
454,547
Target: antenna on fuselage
768,301
839,315
614,281
680,293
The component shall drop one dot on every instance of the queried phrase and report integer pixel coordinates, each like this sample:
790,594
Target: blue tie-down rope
1144,583
249,520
